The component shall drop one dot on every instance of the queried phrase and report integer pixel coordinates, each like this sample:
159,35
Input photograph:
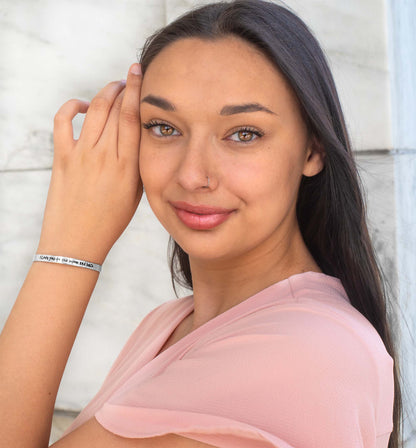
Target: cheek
267,180
153,166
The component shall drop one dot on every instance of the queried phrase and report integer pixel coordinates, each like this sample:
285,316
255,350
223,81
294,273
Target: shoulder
310,362
307,333
315,356
315,318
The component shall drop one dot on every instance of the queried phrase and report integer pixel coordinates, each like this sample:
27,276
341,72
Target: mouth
201,217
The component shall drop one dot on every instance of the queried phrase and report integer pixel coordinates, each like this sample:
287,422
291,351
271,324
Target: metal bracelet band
67,260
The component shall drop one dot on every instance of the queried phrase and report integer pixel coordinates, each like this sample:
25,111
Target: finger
109,138
98,112
129,122
63,131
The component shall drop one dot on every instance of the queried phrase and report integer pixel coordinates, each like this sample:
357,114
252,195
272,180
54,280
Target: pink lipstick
200,217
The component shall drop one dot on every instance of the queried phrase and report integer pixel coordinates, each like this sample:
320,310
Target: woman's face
220,109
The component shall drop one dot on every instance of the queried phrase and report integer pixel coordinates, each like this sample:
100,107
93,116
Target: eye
245,135
161,129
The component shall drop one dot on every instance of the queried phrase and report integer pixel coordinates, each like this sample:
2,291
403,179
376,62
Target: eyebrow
158,102
230,109
241,108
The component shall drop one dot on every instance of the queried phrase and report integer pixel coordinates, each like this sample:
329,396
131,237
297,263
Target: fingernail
136,69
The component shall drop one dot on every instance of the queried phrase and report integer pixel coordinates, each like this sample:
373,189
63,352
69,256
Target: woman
246,162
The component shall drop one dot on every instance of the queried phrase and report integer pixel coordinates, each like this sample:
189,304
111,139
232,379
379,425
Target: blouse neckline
264,298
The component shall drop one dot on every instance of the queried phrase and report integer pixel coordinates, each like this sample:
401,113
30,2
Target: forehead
209,72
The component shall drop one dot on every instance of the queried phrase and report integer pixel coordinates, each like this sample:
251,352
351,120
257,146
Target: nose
196,170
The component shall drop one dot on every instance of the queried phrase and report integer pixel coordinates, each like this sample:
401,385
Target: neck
220,285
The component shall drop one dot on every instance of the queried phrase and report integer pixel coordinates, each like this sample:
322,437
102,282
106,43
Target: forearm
34,348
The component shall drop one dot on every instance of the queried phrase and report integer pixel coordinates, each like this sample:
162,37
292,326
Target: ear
315,158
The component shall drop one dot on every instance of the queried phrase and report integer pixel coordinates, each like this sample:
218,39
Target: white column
402,57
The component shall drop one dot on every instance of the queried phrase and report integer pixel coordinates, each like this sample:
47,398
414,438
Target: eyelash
153,124
256,132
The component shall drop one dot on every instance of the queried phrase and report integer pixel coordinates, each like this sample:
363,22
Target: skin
97,179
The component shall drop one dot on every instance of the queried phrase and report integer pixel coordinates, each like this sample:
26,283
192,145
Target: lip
200,217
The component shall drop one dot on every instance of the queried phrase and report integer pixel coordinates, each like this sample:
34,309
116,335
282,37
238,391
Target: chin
209,251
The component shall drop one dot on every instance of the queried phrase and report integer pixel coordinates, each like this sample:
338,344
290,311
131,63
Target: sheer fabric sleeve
302,379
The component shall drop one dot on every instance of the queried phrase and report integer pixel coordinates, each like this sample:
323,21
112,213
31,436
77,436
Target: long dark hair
330,207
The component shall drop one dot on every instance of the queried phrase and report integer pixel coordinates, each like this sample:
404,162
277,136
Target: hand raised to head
95,185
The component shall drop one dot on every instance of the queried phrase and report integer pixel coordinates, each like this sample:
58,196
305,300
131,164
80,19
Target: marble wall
53,50
401,17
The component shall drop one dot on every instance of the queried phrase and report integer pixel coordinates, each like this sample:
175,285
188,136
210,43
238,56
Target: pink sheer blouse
293,366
